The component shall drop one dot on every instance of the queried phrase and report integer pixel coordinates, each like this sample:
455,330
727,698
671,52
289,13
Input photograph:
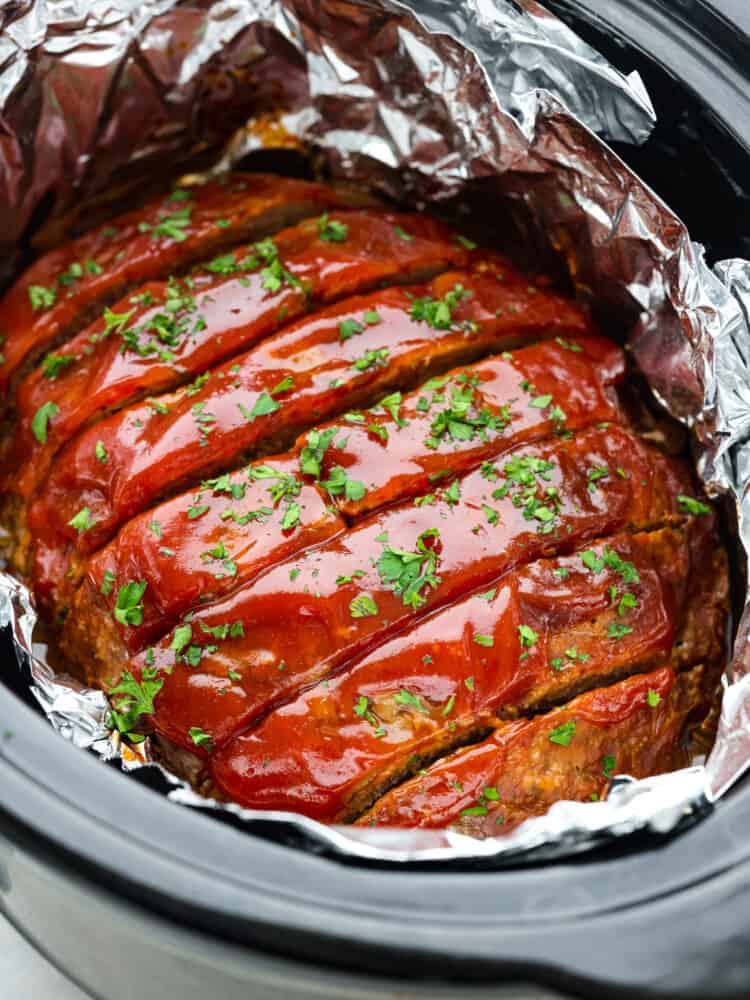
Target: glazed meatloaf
350,514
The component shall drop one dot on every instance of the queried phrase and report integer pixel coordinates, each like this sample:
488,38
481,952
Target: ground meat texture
342,743
407,444
311,615
262,400
187,517
349,514
166,333
193,549
64,289
634,727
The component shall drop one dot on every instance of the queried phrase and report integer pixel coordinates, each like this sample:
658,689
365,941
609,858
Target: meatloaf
351,515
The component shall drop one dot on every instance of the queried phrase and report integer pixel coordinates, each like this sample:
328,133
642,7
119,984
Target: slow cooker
133,898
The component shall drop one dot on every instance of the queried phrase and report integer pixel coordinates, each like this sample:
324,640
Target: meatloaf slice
540,635
166,333
64,289
409,442
193,549
214,516
635,727
311,615
266,397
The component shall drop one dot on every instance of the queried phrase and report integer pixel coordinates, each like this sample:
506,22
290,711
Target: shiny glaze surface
133,254
300,613
345,740
199,546
305,374
590,365
633,727
218,315
396,449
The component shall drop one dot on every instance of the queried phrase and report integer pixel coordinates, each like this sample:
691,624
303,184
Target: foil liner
386,93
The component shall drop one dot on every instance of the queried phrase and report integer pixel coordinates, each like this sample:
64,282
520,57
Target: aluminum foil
424,102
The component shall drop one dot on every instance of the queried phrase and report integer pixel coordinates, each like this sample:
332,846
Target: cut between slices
194,549
409,442
636,727
261,401
542,634
311,615
64,289
218,511
164,334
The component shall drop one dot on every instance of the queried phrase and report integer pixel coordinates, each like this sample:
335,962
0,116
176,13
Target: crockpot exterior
135,898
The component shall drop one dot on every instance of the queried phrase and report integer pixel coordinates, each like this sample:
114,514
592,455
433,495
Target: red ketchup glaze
425,691
396,448
219,315
519,772
203,544
290,381
133,254
609,707
301,613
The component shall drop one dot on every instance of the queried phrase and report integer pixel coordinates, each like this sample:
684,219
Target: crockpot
132,897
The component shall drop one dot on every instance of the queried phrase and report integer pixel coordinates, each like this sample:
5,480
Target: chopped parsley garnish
569,345
42,418
107,582
459,420
41,297
525,477
182,636
617,631
128,608
338,483
331,230
438,313
349,328
362,606
201,739
291,517
527,636
264,404
371,358
82,521
172,226
448,708
608,765
402,234
363,711
474,811
101,452
563,734
611,560
405,697
410,573
311,456
131,700
653,698
53,364
693,506
224,264
465,242
541,402
484,640
595,474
